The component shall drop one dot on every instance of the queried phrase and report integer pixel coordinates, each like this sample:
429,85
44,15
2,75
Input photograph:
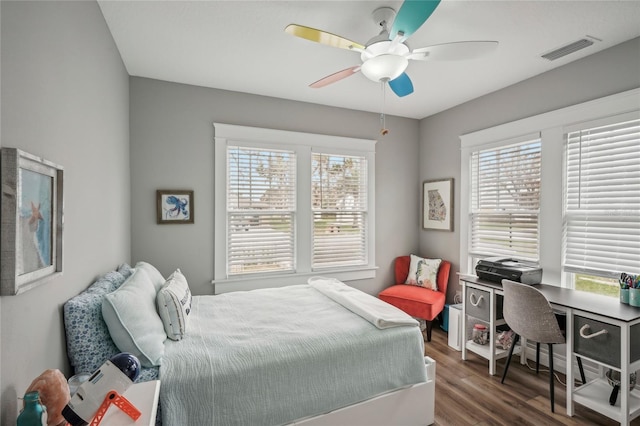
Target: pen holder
624,295
634,297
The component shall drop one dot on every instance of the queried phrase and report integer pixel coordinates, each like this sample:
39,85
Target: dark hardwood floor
467,395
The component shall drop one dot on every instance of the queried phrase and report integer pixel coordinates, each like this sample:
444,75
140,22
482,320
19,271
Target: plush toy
54,394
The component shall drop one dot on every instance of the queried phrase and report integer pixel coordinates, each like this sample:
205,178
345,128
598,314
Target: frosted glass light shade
384,67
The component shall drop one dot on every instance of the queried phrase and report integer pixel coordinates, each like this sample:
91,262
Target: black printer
498,268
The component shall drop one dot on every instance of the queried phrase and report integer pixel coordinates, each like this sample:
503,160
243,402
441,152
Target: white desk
145,398
617,349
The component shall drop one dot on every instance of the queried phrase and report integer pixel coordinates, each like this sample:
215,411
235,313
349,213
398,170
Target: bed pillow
134,325
154,275
174,305
89,343
423,272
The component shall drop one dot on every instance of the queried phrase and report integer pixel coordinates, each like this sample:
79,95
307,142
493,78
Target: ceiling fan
386,56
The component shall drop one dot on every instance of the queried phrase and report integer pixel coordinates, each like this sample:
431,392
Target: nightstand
145,397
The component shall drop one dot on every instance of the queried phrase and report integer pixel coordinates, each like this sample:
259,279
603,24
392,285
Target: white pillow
154,275
423,272
133,322
174,305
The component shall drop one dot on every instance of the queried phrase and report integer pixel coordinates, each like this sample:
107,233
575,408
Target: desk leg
624,374
492,333
463,337
569,357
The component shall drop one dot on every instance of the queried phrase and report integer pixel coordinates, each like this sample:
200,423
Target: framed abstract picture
174,206
437,204
31,221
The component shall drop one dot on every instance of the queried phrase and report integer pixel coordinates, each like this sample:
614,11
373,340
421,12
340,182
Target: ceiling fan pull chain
383,129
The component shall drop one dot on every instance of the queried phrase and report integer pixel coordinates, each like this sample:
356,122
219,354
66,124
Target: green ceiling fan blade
411,16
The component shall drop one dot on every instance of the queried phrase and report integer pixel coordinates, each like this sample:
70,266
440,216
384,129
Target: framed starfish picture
31,221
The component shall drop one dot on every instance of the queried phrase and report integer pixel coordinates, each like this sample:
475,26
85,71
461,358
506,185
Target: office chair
529,314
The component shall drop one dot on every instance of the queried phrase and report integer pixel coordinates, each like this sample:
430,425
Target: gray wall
65,98
172,148
605,73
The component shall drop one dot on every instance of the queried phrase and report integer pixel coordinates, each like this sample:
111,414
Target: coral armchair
419,302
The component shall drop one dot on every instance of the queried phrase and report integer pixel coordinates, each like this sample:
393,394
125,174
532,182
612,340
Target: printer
496,269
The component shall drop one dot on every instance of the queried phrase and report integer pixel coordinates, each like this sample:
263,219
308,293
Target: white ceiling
242,46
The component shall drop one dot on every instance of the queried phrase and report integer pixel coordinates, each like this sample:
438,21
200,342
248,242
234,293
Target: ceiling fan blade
335,77
411,16
401,86
322,37
454,51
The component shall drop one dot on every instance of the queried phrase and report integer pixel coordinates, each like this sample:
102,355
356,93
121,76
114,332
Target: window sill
281,280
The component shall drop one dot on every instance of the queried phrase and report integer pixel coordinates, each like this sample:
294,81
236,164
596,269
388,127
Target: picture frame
32,221
437,204
174,206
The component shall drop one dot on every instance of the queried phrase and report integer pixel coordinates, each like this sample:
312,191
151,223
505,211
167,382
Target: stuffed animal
54,394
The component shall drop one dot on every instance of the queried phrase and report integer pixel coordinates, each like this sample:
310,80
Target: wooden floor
467,395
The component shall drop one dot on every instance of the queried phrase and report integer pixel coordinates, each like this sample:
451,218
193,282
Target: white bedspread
269,357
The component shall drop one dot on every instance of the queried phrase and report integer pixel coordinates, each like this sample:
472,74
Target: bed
321,353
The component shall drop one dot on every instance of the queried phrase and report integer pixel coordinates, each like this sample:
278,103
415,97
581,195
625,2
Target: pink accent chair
419,302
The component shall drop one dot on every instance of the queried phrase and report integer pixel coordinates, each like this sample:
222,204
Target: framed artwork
31,221
174,206
437,204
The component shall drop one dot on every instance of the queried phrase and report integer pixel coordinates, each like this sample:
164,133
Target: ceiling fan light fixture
384,67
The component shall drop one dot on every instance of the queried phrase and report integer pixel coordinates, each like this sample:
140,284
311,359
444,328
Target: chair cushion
416,301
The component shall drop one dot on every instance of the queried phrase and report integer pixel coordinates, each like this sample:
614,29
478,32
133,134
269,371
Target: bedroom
67,97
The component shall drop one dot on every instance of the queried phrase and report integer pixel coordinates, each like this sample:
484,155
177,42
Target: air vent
570,48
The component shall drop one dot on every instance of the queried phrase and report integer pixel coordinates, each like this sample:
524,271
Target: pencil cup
634,297
624,295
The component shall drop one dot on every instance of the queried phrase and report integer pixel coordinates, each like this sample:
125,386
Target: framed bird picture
174,206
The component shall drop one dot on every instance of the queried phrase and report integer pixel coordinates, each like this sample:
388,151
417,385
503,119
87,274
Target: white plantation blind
602,206
505,200
261,204
339,206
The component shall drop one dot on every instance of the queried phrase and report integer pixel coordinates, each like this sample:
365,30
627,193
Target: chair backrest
402,264
529,314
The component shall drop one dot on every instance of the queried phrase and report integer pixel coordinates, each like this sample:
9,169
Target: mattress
271,356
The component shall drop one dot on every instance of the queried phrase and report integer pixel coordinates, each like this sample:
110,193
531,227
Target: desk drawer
477,304
603,347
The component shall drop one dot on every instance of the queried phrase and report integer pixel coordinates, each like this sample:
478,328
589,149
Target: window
602,202
290,205
339,204
505,200
260,210
588,215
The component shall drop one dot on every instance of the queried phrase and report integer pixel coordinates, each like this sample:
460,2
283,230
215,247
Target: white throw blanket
374,310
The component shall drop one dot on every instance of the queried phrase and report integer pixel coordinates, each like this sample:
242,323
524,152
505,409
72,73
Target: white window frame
551,127
303,144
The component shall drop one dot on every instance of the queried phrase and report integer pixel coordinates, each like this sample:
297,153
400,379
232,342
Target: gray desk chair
529,314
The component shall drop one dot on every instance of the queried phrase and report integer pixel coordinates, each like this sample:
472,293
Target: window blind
602,205
339,206
505,200
260,210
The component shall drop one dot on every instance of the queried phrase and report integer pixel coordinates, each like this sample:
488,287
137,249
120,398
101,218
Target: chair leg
584,380
506,366
537,357
551,378
428,327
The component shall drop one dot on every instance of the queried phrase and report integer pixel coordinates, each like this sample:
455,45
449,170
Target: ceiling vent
569,48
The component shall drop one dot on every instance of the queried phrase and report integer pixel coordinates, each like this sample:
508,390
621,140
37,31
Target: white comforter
268,357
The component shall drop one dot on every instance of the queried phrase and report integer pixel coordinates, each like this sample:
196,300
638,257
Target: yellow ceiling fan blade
322,37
